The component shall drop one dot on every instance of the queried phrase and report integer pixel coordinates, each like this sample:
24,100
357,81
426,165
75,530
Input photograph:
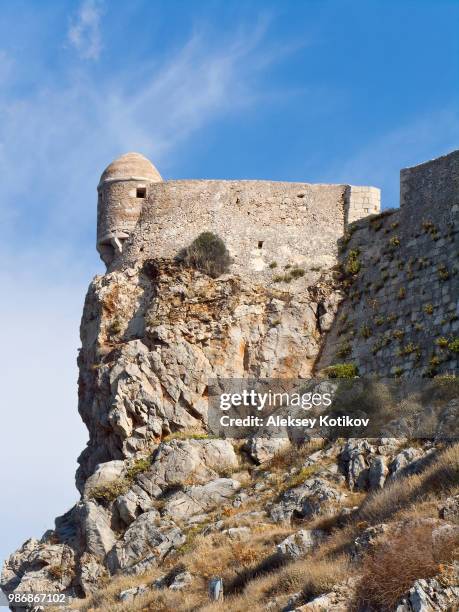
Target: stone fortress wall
262,223
402,311
400,267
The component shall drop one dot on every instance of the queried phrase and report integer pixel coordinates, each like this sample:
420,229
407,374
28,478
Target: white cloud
55,142
84,30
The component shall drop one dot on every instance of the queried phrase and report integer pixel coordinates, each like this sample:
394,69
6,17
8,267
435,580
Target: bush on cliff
208,254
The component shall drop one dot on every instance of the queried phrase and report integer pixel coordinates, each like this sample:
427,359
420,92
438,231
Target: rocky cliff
165,510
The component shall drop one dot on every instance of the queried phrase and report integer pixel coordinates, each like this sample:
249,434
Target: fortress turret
122,190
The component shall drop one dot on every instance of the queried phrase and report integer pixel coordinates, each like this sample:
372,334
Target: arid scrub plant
208,254
110,491
399,334
352,265
453,345
344,350
401,293
391,568
296,272
443,272
428,309
342,370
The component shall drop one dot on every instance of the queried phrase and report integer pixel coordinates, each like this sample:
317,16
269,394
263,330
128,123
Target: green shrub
353,265
208,254
428,309
365,331
442,342
342,370
453,345
394,241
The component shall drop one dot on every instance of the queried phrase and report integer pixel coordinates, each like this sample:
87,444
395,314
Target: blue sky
312,90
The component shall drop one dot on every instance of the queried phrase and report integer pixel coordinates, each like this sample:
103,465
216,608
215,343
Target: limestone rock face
263,448
153,336
39,567
179,461
200,498
145,540
430,596
310,498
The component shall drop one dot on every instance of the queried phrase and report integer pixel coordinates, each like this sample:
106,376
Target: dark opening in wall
141,192
260,244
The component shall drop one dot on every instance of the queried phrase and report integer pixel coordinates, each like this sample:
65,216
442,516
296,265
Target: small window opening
141,192
366,210
260,244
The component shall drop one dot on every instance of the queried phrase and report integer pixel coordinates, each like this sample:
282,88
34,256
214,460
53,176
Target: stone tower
122,190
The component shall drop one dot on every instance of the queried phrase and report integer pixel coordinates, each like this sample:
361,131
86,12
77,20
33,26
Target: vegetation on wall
208,254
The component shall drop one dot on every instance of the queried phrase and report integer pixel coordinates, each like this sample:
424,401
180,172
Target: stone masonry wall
362,202
401,316
265,225
429,190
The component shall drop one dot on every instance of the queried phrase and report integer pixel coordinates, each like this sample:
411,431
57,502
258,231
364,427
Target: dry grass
391,568
253,574
441,476
294,455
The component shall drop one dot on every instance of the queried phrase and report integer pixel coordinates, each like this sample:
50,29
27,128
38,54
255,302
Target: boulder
130,594
238,533
367,539
355,459
450,509
378,472
305,501
188,462
91,574
181,581
39,567
96,529
131,504
404,463
104,474
263,448
300,543
147,539
198,499
430,596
